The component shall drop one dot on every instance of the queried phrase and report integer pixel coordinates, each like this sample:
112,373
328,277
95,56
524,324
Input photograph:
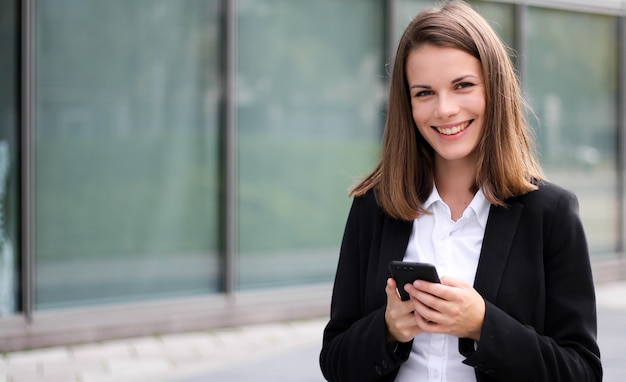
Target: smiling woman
458,186
448,104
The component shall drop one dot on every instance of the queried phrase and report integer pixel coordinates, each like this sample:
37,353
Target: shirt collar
432,198
480,205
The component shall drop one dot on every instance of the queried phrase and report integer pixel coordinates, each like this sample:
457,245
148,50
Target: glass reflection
126,150
310,112
572,84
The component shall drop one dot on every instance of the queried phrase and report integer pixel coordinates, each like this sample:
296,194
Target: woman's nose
446,106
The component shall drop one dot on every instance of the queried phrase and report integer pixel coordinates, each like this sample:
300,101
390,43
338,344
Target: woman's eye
423,93
463,85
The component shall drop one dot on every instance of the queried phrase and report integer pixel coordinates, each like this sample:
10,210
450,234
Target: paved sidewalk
166,358
283,351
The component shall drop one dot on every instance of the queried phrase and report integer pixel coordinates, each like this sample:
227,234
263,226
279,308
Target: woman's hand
399,316
452,307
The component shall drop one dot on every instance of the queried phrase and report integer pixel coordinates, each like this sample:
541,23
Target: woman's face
448,100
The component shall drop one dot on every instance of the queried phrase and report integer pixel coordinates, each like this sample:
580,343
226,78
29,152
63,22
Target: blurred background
179,165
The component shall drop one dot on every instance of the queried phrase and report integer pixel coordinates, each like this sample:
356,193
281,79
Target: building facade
179,165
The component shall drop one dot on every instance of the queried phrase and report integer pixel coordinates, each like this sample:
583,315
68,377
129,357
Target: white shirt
454,248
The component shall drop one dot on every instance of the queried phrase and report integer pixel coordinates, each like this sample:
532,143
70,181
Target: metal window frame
621,134
391,23
27,158
229,8
570,6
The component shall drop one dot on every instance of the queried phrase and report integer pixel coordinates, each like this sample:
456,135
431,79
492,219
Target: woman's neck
456,184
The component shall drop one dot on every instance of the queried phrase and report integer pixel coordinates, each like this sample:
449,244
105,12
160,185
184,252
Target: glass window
406,10
311,92
9,78
572,83
126,198
500,16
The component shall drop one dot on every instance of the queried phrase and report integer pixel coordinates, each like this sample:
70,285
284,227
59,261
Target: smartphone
406,272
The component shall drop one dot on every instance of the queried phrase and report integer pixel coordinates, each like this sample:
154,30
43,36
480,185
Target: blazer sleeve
354,344
557,342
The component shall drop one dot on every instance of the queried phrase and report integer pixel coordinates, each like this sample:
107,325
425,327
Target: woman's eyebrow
464,77
454,81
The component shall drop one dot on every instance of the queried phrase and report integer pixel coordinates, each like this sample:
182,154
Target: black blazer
534,274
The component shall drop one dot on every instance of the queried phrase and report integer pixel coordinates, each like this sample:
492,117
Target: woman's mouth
451,130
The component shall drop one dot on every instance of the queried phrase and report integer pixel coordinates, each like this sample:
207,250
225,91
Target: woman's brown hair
507,164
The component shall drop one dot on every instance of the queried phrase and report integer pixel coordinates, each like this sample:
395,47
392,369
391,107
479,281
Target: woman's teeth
453,130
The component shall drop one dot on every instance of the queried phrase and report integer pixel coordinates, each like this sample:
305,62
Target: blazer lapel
395,239
499,232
